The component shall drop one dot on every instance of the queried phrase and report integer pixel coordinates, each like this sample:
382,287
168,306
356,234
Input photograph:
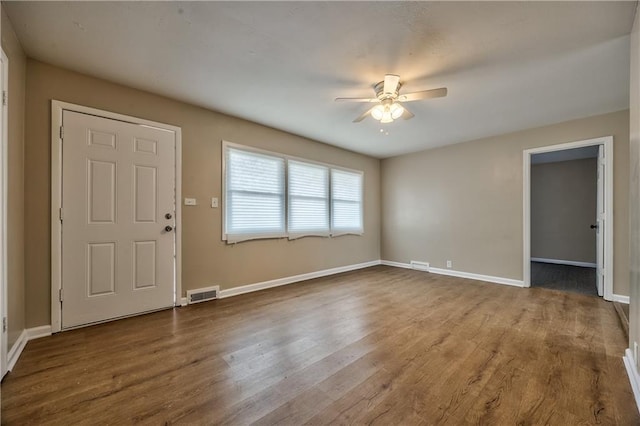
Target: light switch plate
214,202
190,202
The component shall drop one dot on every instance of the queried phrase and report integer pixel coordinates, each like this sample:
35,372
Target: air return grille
202,294
421,266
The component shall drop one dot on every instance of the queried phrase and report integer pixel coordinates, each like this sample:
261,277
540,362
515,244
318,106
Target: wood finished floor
377,346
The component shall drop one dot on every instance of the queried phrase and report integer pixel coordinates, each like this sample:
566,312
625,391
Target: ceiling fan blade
363,115
425,94
406,115
391,83
356,99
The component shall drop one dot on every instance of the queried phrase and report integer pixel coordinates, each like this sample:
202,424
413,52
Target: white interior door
118,210
601,217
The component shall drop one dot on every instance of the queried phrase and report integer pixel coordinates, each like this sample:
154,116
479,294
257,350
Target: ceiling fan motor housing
380,94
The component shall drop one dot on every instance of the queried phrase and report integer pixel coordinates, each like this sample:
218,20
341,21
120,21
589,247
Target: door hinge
61,132
60,212
4,324
60,294
4,97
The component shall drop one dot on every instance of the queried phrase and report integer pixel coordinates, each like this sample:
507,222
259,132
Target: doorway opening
564,228
568,228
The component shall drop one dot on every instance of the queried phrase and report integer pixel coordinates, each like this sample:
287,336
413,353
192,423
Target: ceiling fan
388,99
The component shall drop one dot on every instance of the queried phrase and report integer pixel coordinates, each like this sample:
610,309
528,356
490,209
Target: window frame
287,234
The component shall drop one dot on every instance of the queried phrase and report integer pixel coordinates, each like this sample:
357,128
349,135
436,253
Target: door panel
145,189
118,183
101,269
146,145
102,192
144,264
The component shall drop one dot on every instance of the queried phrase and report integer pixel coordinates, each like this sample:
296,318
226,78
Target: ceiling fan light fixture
377,112
396,110
386,116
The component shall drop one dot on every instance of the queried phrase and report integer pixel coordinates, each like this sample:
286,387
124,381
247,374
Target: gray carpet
575,279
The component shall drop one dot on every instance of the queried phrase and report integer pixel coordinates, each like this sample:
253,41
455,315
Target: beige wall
15,160
634,192
464,202
206,259
563,206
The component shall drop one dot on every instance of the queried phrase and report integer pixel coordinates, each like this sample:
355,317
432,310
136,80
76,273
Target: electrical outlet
448,264
214,202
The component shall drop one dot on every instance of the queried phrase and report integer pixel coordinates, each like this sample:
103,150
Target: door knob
168,228
594,226
168,216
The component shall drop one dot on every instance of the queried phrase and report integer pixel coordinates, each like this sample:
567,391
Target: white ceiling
507,65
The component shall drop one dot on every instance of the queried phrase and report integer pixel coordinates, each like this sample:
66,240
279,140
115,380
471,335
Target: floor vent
420,266
202,294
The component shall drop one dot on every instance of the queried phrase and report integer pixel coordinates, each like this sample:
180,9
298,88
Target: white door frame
601,207
607,142
57,108
4,327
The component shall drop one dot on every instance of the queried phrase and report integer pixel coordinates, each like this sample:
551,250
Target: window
346,201
269,195
308,189
254,197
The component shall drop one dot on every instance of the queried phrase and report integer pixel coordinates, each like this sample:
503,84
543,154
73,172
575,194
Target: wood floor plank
375,346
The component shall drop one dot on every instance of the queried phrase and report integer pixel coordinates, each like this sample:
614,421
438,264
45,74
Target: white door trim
3,212
57,107
607,142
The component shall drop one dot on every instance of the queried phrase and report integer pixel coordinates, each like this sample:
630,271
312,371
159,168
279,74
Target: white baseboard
459,274
564,262
183,301
16,350
632,372
396,264
235,291
38,332
478,277
26,335
620,298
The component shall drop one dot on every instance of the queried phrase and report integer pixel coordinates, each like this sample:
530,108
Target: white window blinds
271,195
308,186
346,201
255,195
